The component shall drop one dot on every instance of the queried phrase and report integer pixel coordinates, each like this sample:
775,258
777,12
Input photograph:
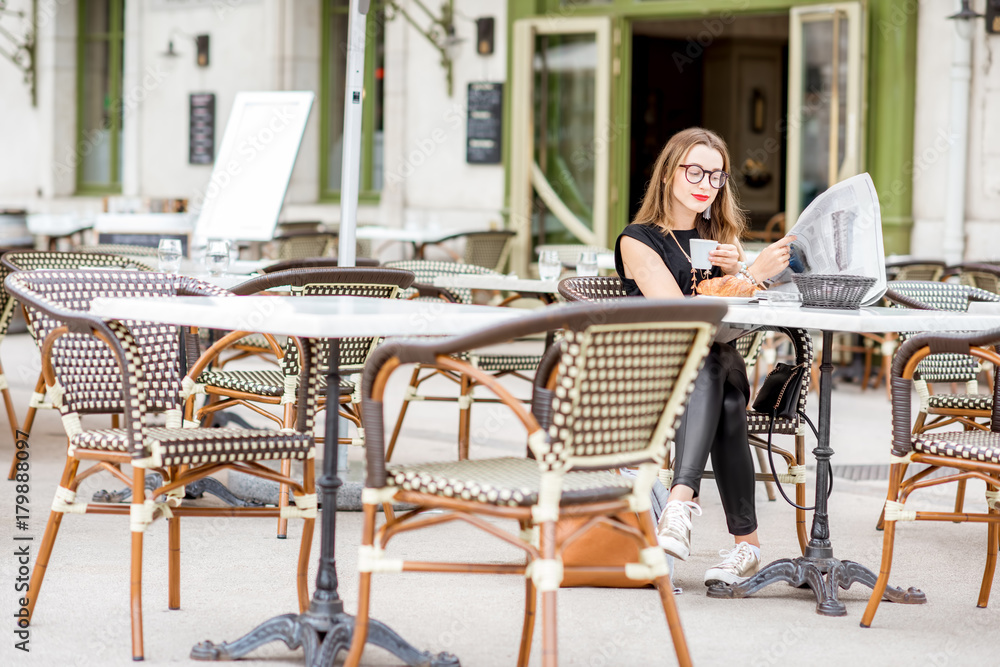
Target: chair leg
308,525
800,495
992,542
464,416
665,587
528,630
364,595
286,470
402,413
288,421
138,485
896,472
550,631
959,498
29,419
48,541
174,563
766,467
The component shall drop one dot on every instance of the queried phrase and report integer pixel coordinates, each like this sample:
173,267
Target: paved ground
236,574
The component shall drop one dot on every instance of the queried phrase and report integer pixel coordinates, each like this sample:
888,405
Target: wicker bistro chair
918,269
6,315
603,288
983,276
497,365
623,378
120,249
938,410
974,454
305,245
94,367
256,345
490,250
28,260
278,388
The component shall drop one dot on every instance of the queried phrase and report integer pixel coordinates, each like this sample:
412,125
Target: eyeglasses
694,173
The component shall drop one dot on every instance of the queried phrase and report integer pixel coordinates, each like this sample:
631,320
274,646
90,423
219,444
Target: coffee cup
699,253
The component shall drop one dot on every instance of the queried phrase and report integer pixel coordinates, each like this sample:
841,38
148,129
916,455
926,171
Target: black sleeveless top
664,246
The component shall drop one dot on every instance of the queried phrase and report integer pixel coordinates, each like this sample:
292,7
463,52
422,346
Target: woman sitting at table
689,197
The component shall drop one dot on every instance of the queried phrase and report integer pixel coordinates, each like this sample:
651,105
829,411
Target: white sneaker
738,565
674,530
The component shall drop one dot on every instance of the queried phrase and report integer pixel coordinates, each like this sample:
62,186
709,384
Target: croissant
726,286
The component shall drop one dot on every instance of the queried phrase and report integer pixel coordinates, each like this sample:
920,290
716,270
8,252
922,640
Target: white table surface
315,316
510,284
57,224
418,236
866,320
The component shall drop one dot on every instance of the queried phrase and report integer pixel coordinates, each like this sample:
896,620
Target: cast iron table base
325,630
818,569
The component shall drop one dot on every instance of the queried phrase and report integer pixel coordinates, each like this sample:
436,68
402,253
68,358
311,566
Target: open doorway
728,74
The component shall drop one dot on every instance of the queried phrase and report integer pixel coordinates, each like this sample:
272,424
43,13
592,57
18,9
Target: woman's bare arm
647,269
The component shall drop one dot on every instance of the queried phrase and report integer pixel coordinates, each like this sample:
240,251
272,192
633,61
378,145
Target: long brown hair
727,221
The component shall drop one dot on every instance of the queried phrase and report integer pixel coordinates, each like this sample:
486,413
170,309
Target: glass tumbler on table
549,266
217,257
168,254
586,263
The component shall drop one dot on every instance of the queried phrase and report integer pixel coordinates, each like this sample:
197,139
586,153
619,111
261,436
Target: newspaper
839,233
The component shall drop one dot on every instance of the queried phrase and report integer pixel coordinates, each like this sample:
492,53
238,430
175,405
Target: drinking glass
169,255
586,263
217,257
549,266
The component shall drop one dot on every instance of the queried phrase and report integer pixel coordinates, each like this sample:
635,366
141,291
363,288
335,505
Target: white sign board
251,173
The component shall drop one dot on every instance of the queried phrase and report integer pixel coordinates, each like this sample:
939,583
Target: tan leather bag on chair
600,546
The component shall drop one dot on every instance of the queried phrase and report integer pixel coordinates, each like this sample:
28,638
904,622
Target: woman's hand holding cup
725,256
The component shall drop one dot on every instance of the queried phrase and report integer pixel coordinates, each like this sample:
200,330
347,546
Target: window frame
116,46
366,193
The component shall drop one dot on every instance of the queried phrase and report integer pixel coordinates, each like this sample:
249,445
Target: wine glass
168,252
586,263
217,257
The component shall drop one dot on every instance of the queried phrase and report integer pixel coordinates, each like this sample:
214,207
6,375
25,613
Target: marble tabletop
875,319
315,316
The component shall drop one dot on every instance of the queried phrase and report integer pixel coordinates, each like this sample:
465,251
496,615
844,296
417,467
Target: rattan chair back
592,288
983,276
315,263
90,379
119,249
378,283
33,260
928,295
426,270
302,246
916,270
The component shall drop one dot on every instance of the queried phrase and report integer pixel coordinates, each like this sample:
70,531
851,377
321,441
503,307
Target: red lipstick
701,197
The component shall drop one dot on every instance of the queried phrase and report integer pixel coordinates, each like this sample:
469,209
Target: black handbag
778,398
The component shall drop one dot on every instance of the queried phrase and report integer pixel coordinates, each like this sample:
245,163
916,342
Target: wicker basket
832,291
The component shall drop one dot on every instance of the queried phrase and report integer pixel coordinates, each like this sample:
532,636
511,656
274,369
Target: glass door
560,106
825,100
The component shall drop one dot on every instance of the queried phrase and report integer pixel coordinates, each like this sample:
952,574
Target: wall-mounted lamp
201,45
993,17
440,33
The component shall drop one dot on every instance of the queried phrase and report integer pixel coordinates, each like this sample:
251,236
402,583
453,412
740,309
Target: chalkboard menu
201,132
484,123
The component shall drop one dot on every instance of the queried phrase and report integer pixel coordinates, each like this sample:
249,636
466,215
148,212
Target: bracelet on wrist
745,272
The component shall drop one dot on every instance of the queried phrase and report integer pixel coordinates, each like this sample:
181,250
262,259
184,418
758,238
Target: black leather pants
715,424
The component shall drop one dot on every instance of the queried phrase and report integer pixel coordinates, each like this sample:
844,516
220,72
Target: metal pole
351,164
958,138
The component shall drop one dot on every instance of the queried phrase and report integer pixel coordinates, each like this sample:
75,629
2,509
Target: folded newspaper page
839,233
